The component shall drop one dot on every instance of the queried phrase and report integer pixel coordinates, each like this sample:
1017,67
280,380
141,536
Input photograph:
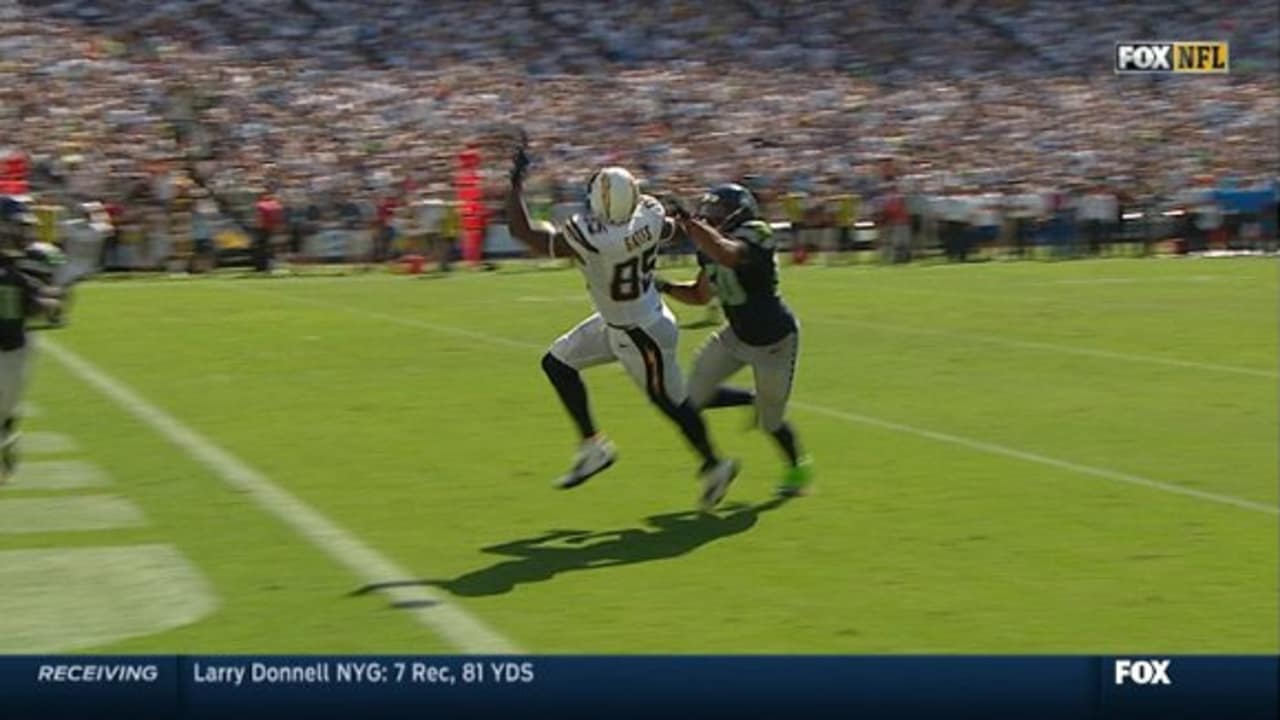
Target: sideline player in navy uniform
736,259
21,296
615,244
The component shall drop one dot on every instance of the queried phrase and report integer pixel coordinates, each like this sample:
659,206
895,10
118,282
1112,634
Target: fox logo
1172,57
1143,672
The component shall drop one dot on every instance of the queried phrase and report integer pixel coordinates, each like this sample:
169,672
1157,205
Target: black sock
695,431
568,385
730,397
787,441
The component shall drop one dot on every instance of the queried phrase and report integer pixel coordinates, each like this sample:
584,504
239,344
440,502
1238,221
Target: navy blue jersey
17,296
749,292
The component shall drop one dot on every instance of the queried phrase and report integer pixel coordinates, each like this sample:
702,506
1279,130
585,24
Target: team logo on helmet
728,206
613,195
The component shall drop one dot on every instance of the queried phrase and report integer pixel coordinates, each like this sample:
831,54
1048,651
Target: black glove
661,285
675,208
519,165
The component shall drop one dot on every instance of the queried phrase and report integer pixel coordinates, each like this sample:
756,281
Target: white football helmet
613,195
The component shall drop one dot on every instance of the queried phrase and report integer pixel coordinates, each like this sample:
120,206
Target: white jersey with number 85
618,262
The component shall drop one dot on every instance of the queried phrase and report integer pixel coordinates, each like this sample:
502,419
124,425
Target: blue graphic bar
611,687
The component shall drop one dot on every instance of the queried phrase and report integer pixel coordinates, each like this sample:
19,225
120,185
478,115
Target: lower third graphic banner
567,687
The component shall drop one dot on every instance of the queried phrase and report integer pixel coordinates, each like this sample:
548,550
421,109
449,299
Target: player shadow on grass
541,558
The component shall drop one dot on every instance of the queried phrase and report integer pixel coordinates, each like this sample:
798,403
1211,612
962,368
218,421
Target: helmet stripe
605,198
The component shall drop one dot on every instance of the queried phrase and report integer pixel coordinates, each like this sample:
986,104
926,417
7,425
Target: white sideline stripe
458,627
1051,347
995,449
978,445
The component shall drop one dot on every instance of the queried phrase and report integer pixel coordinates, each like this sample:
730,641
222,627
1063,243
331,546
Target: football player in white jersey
615,245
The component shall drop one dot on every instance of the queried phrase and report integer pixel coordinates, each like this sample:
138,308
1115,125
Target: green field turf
1012,458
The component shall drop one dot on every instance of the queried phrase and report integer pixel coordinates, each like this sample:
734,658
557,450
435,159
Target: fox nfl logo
1173,57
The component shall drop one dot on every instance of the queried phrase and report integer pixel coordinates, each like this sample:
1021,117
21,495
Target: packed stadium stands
337,104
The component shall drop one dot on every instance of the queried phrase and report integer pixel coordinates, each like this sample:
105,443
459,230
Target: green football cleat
797,479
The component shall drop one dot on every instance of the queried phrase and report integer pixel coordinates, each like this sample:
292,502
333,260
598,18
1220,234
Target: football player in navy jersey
737,265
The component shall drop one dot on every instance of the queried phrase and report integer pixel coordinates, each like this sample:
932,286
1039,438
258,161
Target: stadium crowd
349,112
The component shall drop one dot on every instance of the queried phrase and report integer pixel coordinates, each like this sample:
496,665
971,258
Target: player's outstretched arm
694,292
518,214
724,251
539,240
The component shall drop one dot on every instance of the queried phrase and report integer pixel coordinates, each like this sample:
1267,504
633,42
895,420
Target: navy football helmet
727,206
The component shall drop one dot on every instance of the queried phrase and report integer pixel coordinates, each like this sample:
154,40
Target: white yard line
21,515
1051,347
995,449
64,599
422,324
255,285
458,627
1032,345
58,475
971,444
40,442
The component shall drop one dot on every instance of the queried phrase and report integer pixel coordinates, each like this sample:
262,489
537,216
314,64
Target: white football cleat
595,455
715,483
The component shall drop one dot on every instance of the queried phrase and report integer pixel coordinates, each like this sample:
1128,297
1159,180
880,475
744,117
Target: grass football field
1035,457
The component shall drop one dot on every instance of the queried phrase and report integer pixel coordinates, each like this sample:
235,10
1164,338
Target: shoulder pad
755,232
651,214
652,204
576,235
651,210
